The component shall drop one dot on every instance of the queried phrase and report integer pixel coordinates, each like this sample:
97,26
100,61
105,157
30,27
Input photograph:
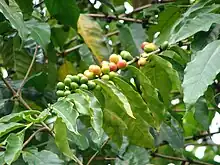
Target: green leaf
118,97
201,113
149,94
200,72
39,31
42,116
96,115
81,104
15,18
66,11
65,69
6,128
167,19
64,109
2,154
132,37
134,156
44,157
80,140
25,6
138,106
94,38
162,76
172,134
15,117
61,138
86,55
14,147
191,26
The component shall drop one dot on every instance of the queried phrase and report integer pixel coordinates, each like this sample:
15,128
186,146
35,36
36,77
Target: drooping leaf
132,37
44,157
61,138
40,118
66,12
138,106
64,109
93,37
149,94
81,104
13,147
162,76
6,128
118,97
202,113
15,18
200,72
39,31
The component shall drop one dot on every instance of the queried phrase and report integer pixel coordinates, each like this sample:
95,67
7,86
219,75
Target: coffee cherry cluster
107,71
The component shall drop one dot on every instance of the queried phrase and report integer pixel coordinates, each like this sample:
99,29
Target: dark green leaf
118,97
14,147
6,128
61,138
80,140
64,109
25,6
201,71
66,11
44,157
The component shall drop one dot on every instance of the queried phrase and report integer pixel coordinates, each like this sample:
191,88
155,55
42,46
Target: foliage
89,84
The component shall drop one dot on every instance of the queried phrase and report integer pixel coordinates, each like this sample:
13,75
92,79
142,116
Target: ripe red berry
122,64
114,58
113,66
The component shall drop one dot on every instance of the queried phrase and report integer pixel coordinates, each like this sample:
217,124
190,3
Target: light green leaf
64,109
61,138
162,76
86,55
2,154
200,72
132,37
6,128
42,116
149,94
66,11
44,157
14,147
39,31
81,104
15,18
138,106
118,97
94,38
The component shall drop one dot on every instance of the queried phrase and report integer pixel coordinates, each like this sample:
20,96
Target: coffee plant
115,82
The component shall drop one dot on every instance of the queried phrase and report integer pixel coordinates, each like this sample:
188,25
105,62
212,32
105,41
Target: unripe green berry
91,85
105,77
126,55
89,75
83,80
74,85
60,93
75,79
112,75
80,75
150,47
67,81
98,87
105,69
60,85
67,87
84,86
66,93
164,45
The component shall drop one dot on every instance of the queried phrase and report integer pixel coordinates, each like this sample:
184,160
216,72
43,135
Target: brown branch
94,155
9,87
28,71
112,33
32,136
136,10
200,136
112,17
179,159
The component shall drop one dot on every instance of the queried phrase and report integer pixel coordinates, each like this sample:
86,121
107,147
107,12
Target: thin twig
112,17
32,136
29,70
179,159
112,33
71,49
151,53
136,10
94,155
9,87
200,136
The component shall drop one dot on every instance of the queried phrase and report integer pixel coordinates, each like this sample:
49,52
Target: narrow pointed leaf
6,128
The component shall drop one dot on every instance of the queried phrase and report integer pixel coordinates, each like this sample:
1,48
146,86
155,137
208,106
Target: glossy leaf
15,18
39,31
131,38
6,128
44,157
200,72
14,147
66,12
64,109
118,97
162,76
93,37
149,94
61,138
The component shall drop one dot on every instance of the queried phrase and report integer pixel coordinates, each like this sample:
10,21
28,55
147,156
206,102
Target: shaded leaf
86,55
93,37
80,140
25,6
44,157
6,128
40,118
66,11
13,147
64,109
65,69
118,97
200,72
